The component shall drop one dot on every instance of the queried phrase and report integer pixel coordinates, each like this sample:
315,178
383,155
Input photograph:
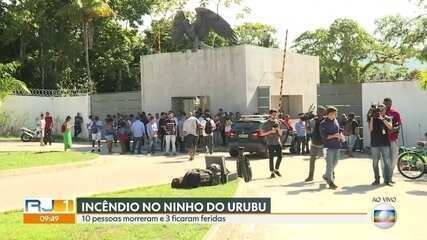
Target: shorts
96,136
109,137
190,141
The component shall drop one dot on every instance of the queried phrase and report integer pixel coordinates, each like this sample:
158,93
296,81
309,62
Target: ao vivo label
49,210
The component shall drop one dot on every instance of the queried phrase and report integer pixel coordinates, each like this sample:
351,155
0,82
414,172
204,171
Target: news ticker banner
169,210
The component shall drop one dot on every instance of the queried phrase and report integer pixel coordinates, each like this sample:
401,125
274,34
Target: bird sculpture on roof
205,22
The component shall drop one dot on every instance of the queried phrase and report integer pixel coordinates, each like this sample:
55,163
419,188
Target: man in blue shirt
332,137
138,132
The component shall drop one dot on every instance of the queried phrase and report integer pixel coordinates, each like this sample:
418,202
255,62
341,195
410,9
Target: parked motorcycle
28,135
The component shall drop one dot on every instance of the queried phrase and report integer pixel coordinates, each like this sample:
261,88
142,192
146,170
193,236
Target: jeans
152,144
384,154
315,152
274,151
307,143
208,143
394,152
77,131
217,138
332,156
300,143
48,137
170,142
135,141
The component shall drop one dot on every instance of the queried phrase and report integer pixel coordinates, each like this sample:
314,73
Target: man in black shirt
379,126
316,140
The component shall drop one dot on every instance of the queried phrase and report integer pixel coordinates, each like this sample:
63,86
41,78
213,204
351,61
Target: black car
246,133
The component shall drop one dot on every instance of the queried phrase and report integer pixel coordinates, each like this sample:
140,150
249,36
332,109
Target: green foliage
258,34
349,54
423,79
9,84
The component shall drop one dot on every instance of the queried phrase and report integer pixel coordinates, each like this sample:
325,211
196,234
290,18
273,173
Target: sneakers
277,173
309,179
332,185
375,183
272,175
93,150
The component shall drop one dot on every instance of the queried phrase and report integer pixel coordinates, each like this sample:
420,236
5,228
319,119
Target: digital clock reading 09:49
49,210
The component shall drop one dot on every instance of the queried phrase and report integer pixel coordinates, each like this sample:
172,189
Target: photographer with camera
379,127
393,135
273,133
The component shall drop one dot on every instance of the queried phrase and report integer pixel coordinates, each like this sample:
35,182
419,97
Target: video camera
374,111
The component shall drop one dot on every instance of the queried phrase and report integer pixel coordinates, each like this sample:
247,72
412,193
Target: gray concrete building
240,78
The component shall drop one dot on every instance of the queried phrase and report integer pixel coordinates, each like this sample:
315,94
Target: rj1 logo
48,205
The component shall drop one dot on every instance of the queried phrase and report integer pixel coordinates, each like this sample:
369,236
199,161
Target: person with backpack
96,128
208,126
316,148
66,131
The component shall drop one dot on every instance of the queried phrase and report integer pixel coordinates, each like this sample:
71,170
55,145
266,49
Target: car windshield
246,126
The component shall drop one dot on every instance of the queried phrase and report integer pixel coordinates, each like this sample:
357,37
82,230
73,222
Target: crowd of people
167,132
192,131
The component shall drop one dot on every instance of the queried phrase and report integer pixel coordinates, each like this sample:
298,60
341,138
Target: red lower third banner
50,218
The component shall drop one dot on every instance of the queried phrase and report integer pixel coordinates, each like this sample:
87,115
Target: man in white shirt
138,132
190,134
208,126
152,133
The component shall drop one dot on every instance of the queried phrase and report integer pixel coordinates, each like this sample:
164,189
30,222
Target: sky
301,15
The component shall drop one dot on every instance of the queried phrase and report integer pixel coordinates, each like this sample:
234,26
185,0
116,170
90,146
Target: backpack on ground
208,126
193,178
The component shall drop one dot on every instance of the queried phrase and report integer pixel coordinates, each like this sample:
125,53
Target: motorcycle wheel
25,137
410,165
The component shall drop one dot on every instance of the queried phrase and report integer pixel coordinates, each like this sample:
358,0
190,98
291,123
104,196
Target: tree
258,34
342,48
88,11
9,84
349,54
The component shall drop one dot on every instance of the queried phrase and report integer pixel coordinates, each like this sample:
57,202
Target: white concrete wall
229,76
26,110
217,73
408,98
264,67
